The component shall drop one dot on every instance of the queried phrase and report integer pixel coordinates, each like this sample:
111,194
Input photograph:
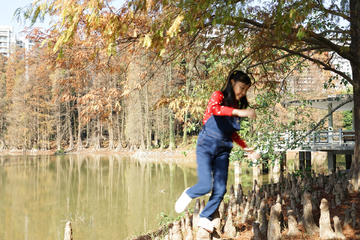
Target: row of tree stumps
263,208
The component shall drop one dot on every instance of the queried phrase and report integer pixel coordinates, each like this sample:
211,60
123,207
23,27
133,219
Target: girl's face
239,88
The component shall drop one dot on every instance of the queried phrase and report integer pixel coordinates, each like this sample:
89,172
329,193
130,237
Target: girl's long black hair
229,95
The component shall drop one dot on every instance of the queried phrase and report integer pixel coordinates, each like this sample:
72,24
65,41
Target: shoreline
178,153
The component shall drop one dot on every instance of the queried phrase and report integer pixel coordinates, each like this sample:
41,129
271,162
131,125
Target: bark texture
338,230
273,232
326,232
309,223
292,224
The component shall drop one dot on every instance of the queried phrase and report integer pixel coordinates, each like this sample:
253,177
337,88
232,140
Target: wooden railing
315,139
340,137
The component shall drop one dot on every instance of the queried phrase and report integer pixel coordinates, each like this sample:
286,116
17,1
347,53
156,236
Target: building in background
9,41
342,65
308,80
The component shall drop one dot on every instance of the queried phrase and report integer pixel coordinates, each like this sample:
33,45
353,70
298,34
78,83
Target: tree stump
216,221
353,215
68,231
337,199
196,213
309,223
272,189
221,208
347,217
292,224
188,231
256,231
202,234
333,204
202,204
258,199
239,196
350,187
266,195
182,224
326,232
339,190
176,231
278,198
263,223
245,212
293,205
338,230
232,200
273,231
229,228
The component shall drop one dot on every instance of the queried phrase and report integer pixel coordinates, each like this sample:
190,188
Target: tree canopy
264,38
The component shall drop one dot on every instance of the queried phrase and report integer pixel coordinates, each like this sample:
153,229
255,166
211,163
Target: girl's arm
251,153
215,108
244,113
236,138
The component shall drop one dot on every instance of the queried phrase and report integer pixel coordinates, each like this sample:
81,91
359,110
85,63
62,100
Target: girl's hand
244,113
251,153
251,113
254,155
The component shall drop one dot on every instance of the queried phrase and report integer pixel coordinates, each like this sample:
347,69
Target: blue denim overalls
212,153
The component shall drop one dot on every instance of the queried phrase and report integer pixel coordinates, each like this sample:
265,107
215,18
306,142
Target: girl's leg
203,155
204,168
220,167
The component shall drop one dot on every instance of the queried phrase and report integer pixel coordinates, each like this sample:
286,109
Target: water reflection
105,196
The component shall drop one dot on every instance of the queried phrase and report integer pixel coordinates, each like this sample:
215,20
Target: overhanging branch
326,67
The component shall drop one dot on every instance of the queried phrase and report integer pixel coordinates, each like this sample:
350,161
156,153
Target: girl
214,145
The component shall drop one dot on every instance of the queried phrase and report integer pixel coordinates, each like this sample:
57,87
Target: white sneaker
206,224
182,202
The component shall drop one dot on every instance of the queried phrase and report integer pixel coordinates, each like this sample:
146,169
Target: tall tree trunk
119,145
171,130
37,128
87,135
171,119
162,132
141,125
45,139
58,128
184,141
186,114
111,131
2,145
157,131
147,119
69,127
355,52
79,141
97,135
74,120
25,140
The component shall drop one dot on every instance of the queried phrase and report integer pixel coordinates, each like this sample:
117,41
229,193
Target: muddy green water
105,196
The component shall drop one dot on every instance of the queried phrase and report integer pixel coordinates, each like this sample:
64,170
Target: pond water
105,196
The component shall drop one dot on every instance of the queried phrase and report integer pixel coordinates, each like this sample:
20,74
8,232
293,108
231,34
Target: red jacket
214,108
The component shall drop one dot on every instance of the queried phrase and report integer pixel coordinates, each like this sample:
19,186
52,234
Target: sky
8,7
